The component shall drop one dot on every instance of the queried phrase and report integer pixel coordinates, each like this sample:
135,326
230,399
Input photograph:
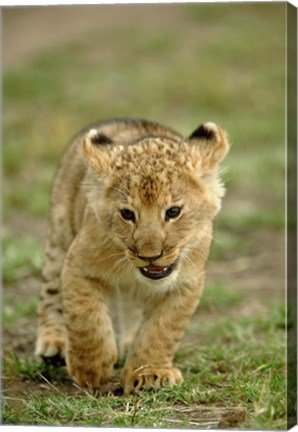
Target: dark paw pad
55,360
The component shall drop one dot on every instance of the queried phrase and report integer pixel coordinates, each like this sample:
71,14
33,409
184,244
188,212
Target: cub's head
156,198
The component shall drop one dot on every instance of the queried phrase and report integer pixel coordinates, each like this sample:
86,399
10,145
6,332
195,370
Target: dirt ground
30,30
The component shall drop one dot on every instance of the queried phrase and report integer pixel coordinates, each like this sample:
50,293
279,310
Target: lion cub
129,234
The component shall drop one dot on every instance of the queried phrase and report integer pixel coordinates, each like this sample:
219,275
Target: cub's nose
150,258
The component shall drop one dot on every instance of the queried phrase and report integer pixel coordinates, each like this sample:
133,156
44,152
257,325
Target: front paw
91,374
147,377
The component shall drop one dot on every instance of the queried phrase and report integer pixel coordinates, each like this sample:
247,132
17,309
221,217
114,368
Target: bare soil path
30,30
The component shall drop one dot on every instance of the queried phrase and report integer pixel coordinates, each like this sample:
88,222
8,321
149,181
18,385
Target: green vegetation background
209,62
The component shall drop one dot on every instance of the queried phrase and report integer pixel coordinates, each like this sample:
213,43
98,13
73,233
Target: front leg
150,360
90,347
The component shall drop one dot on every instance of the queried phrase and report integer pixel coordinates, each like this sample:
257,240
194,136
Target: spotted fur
116,262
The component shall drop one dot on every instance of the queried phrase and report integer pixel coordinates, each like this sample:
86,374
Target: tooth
165,269
145,269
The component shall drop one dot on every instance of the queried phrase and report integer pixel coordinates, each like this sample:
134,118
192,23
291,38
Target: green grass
240,367
21,257
254,219
13,313
218,296
228,242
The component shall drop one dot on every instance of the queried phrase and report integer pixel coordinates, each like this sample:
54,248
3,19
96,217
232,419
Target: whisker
119,264
185,257
107,257
116,266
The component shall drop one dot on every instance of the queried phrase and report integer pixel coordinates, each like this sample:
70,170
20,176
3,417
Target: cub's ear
210,145
96,148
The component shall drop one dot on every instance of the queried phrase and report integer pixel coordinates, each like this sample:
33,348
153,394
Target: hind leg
50,343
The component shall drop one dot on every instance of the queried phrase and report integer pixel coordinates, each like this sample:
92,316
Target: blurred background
66,67
178,64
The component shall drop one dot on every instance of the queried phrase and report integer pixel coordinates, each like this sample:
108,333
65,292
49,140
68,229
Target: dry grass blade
50,384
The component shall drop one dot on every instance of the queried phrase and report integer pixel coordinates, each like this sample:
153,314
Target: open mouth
155,272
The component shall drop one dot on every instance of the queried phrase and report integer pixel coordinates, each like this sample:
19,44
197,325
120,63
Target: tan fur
92,283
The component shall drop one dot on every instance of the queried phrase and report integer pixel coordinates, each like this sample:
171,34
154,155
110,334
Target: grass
218,296
230,373
21,257
220,62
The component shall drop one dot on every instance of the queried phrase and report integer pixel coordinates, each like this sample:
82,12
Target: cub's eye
172,213
128,215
